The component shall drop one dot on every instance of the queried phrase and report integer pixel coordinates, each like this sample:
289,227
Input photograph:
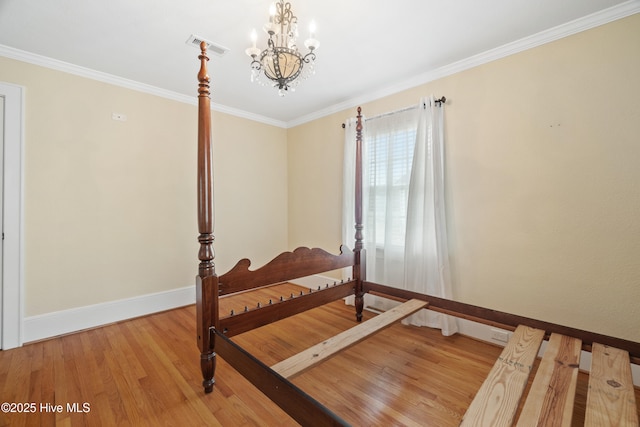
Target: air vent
212,47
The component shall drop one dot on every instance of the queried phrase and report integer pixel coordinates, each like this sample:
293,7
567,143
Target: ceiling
367,47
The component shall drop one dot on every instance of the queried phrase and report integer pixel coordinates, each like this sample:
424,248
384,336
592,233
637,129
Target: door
1,200
11,273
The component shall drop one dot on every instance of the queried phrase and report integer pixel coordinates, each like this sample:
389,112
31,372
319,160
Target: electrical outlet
499,335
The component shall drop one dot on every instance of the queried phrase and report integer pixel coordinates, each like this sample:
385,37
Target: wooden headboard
286,266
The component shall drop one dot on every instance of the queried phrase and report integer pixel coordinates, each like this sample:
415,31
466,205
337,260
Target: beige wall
543,179
315,184
543,195
110,207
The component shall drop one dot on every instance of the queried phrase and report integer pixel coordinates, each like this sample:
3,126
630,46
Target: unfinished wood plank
550,399
496,402
313,355
610,400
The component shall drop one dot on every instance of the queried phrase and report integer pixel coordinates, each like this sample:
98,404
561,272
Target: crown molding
605,16
66,67
247,115
593,20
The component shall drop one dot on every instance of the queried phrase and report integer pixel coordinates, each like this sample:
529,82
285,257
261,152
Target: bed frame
610,401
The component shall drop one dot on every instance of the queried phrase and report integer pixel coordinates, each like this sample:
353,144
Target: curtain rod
439,102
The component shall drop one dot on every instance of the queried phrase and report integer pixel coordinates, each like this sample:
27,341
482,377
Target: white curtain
403,205
426,253
389,141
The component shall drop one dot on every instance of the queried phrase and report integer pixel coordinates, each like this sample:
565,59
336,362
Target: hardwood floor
146,372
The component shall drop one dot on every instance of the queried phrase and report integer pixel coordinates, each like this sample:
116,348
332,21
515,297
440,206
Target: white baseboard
63,322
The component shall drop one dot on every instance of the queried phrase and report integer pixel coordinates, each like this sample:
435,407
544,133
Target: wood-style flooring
145,372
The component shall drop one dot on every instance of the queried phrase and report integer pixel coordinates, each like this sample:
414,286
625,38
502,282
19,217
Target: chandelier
281,62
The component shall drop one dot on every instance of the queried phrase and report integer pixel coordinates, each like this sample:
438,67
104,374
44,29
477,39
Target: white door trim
13,227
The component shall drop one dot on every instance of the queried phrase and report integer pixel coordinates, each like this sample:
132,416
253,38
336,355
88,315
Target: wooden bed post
207,280
359,268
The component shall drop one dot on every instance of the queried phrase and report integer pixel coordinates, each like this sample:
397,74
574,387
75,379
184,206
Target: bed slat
610,400
496,402
316,354
550,400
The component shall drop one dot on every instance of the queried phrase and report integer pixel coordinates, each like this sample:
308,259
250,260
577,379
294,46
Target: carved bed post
359,269
207,280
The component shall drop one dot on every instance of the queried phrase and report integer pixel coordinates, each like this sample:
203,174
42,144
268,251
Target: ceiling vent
212,47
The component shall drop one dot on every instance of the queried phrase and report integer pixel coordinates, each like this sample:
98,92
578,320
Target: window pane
390,158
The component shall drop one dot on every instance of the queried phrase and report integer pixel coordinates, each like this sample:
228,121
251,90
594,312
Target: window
389,160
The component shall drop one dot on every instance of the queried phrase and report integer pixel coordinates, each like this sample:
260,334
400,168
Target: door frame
13,226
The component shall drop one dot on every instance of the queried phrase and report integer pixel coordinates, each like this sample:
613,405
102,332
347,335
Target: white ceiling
367,47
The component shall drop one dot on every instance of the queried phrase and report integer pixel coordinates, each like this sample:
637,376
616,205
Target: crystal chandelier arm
309,57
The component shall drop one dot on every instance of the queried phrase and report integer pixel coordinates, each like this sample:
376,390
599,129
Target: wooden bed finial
203,76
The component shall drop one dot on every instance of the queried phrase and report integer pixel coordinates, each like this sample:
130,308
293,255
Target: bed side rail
505,320
301,262
295,402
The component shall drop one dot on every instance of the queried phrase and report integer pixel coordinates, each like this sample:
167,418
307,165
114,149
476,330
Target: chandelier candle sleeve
281,62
